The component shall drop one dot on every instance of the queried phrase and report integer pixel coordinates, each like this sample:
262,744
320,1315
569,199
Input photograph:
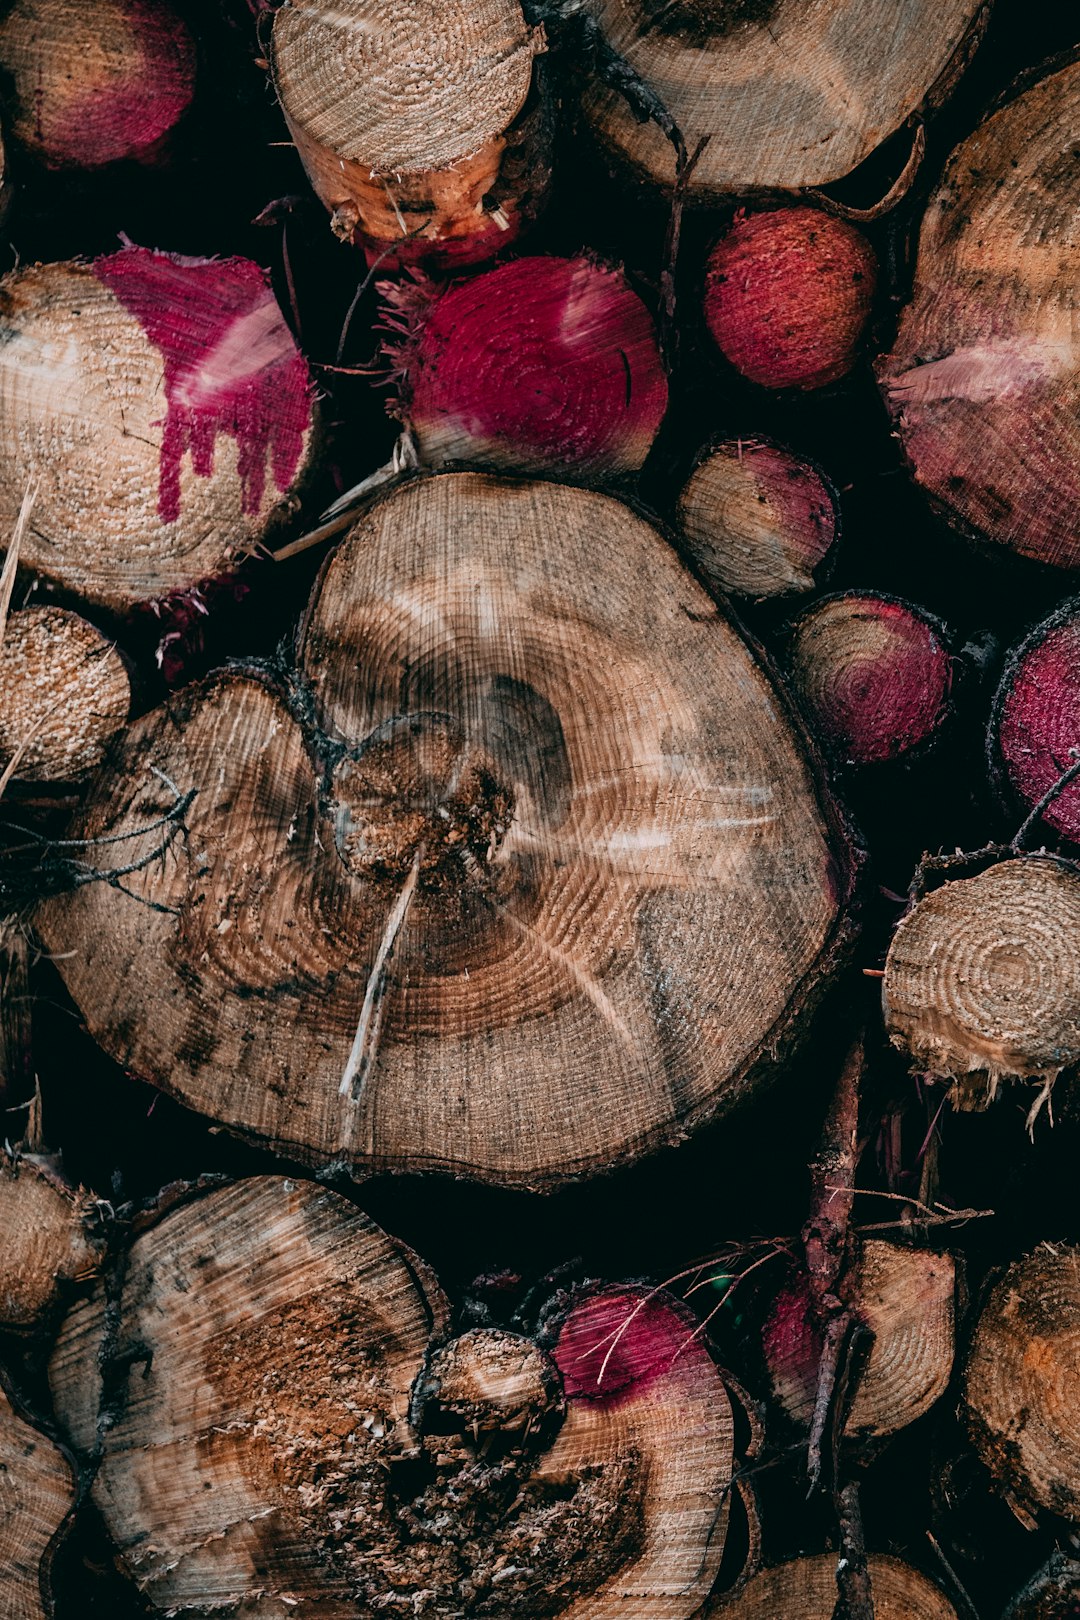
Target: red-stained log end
873,673
93,82
787,296
1036,720
541,364
616,1343
757,520
231,367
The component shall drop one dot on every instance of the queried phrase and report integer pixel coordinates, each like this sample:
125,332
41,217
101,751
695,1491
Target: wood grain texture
37,1492
791,93
805,1589
983,974
528,879
64,692
44,1242
287,1425
983,382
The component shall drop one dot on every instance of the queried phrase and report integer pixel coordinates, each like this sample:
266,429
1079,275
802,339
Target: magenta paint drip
231,367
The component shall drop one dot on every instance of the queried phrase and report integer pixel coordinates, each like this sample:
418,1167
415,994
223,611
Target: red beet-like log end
874,673
615,1343
541,364
1035,726
115,89
231,368
787,296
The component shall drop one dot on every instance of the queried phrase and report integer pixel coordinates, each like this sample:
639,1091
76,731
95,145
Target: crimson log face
523,879
983,381
293,1425
1035,732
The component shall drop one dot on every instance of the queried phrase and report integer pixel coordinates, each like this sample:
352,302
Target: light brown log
37,1492
1022,1383
45,1241
983,975
790,95
64,691
530,878
288,1425
805,1589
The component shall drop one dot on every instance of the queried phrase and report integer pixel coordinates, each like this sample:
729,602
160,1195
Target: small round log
805,1589
544,364
1022,1382
422,124
906,1297
288,1423
1034,738
983,974
983,379
790,96
788,293
45,1244
65,692
508,850
758,521
156,413
37,1493
93,82
873,673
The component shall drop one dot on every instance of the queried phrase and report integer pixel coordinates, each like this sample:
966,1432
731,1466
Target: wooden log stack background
539,809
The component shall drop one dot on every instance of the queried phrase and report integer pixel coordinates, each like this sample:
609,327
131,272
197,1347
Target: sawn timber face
528,874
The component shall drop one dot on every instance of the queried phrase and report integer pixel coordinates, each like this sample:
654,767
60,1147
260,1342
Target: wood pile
539,810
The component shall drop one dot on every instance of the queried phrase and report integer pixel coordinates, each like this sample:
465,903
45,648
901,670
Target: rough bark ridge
288,1423
790,95
983,381
479,894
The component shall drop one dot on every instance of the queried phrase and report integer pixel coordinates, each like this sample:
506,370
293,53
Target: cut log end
585,390
983,974
168,435
562,773
805,1589
65,692
788,97
1035,731
416,156
906,1298
93,82
788,293
758,521
1022,1382
37,1492
982,379
44,1240
293,1438
874,674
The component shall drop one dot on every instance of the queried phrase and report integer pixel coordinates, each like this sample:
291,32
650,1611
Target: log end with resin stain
541,365
479,894
790,96
873,673
421,151
94,82
291,1422
983,378
65,692
1022,1382
982,978
167,414
788,294
907,1299
758,521
805,1589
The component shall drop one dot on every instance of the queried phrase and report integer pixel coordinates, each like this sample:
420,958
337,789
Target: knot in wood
419,790
491,1379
